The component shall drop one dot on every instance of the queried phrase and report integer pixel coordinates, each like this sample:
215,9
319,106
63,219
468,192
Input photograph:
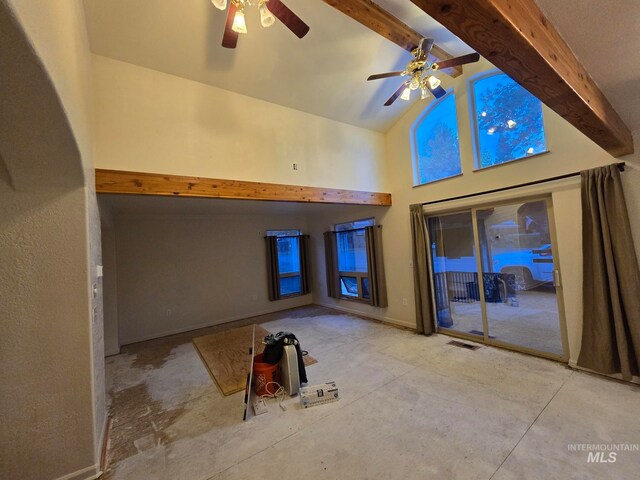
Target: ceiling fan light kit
269,11
419,69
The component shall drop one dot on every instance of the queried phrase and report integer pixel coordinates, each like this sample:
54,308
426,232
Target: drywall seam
215,323
383,318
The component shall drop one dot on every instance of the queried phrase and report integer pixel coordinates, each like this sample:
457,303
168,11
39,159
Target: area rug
226,356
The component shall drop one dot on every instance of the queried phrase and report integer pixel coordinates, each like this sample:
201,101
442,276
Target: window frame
474,123
414,142
270,233
360,276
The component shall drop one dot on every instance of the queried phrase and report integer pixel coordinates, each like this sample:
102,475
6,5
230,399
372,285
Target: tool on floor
319,394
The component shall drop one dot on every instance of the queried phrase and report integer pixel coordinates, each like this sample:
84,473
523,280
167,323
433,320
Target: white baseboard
382,318
89,473
189,328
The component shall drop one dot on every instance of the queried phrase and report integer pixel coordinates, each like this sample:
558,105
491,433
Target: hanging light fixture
425,93
266,17
406,94
239,24
434,82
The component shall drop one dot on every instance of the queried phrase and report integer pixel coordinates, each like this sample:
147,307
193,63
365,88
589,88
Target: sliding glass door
496,278
455,273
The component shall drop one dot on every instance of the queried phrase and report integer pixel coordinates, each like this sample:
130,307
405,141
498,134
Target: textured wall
52,376
181,272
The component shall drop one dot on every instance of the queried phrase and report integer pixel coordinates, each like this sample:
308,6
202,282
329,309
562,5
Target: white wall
181,272
154,122
570,151
52,398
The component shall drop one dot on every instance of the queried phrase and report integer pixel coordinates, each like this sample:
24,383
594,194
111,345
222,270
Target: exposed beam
517,38
136,183
382,22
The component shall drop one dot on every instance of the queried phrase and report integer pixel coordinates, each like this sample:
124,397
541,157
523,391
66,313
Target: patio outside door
496,277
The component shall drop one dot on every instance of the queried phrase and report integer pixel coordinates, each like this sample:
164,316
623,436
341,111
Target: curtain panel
273,270
421,278
331,264
611,278
305,264
375,267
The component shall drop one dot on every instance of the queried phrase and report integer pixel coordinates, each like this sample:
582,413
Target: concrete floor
411,407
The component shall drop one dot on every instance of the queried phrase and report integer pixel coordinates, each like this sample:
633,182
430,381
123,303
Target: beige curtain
331,264
305,268
273,270
375,266
611,278
421,277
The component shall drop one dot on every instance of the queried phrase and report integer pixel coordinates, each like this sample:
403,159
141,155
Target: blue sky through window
508,121
437,148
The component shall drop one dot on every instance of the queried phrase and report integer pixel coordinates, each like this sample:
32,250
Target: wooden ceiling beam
137,183
382,22
517,38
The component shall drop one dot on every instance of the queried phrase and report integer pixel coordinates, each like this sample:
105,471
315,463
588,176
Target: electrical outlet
405,302
295,166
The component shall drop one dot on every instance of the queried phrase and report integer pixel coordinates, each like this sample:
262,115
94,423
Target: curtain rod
354,229
502,189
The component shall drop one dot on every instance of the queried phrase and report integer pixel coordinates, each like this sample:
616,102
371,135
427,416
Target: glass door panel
455,273
518,276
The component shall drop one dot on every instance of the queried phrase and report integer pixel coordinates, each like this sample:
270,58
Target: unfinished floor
411,407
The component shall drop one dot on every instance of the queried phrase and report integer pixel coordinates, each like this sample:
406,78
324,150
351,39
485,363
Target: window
289,266
507,120
352,258
436,148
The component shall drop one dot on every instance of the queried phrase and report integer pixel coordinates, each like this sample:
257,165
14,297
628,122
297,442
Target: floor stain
137,415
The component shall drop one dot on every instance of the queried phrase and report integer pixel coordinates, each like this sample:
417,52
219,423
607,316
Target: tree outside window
436,145
508,121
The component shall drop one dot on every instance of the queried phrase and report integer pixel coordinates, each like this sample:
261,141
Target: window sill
364,301
291,295
509,162
438,180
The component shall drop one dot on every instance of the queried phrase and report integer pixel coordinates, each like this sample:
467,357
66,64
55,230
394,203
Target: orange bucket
264,373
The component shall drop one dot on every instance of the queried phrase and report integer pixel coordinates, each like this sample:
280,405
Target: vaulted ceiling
325,72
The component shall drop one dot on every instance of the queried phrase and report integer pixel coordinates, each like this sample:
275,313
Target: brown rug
226,356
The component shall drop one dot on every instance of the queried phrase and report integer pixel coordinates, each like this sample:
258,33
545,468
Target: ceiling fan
269,11
419,70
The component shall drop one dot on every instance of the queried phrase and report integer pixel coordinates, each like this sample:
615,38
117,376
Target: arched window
507,120
436,150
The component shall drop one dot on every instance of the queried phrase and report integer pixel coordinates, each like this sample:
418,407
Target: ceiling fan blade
378,76
230,38
395,96
454,62
286,16
427,45
437,92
